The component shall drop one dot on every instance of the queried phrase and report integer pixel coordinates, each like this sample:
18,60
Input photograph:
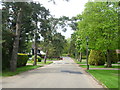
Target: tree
20,25
100,23
67,46
17,9
49,33
58,42
73,51
13,62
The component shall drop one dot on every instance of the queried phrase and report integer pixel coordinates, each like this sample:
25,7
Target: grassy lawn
91,66
83,61
52,59
19,70
108,77
48,62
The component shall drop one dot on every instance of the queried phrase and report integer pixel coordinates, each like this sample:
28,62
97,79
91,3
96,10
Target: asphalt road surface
60,74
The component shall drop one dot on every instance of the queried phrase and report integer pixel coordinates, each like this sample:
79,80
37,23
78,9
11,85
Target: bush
5,61
22,59
29,56
38,58
84,57
96,57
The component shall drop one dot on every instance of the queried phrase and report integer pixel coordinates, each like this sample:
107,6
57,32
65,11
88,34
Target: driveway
60,74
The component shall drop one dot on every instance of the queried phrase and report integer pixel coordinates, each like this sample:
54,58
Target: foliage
22,59
96,57
55,46
72,50
6,48
100,23
58,42
83,57
66,47
38,58
30,12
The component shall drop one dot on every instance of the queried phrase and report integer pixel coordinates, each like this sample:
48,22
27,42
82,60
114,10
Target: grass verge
83,61
108,77
47,62
6,73
92,66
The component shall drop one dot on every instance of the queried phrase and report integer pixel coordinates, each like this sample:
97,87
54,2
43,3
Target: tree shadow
72,72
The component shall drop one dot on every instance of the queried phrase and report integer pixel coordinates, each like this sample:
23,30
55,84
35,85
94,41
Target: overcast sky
63,8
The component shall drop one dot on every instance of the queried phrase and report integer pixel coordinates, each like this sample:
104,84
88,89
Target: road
60,74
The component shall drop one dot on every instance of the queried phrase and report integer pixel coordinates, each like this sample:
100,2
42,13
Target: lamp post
87,52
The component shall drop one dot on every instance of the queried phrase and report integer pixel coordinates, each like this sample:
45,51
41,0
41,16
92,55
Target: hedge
38,58
22,59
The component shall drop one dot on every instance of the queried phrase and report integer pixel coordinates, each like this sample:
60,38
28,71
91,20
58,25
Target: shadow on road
73,72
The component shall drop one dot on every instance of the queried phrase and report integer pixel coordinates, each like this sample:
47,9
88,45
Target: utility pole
87,52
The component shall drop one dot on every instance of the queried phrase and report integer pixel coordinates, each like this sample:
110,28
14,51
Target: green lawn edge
7,73
19,70
47,62
102,66
108,78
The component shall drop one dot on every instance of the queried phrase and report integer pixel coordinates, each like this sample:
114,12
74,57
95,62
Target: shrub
29,56
38,58
96,57
22,59
84,57
5,61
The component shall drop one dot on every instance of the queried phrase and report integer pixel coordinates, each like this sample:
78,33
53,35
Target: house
39,51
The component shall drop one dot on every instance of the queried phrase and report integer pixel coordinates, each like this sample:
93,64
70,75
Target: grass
92,66
108,77
19,70
47,62
83,61
53,59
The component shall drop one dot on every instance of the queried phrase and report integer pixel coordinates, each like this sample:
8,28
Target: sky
63,8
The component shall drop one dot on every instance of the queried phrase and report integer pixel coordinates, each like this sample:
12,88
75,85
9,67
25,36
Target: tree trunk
35,52
35,48
13,62
80,57
109,64
45,58
35,45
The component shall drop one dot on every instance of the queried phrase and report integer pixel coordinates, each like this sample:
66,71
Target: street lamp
87,52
